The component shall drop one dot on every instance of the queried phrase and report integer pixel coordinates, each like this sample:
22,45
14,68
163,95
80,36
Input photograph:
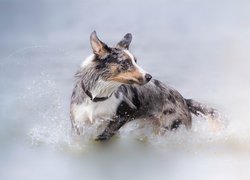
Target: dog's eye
125,65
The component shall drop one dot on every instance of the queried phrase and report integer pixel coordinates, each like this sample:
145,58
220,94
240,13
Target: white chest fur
91,112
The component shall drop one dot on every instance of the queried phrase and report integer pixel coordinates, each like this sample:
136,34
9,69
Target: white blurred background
201,48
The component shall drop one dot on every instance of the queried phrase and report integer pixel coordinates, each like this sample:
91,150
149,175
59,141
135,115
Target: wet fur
153,103
105,73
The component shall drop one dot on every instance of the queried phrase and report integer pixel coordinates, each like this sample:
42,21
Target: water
200,48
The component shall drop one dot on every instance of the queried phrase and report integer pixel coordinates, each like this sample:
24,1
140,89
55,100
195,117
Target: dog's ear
125,42
99,48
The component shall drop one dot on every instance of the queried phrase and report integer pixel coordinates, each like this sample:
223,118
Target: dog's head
117,63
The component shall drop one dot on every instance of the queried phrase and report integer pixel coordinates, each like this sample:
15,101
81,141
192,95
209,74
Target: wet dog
112,89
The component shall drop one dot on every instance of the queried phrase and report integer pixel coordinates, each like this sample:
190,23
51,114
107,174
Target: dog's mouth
137,81
131,81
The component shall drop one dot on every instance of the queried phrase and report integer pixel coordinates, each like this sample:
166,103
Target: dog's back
155,102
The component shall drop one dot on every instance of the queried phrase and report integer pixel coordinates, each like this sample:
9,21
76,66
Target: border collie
112,89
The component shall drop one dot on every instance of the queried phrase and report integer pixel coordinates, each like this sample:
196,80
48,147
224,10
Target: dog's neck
103,88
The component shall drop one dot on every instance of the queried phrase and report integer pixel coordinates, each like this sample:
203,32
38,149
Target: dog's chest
96,111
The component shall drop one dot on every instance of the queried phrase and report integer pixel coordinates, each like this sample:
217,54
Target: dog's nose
148,77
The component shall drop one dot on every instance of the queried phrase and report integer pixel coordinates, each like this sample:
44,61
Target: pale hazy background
202,48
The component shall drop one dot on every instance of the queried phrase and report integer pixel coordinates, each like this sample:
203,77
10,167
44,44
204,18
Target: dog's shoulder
130,102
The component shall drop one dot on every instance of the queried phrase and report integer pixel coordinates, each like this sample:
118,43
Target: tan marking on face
114,69
129,77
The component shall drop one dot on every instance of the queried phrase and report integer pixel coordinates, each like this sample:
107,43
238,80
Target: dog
111,90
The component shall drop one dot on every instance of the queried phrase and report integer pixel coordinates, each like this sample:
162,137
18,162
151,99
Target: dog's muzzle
144,79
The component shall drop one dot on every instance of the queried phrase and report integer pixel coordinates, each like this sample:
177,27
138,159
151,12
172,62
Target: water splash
52,126
46,104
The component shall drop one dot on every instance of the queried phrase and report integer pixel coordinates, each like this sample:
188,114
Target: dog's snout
148,77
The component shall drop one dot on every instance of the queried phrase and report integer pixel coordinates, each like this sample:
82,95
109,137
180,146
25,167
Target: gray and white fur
111,90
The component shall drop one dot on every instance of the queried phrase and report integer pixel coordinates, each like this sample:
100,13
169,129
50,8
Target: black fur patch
136,100
171,98
157,83
175,124
124,110
169,111
101,66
